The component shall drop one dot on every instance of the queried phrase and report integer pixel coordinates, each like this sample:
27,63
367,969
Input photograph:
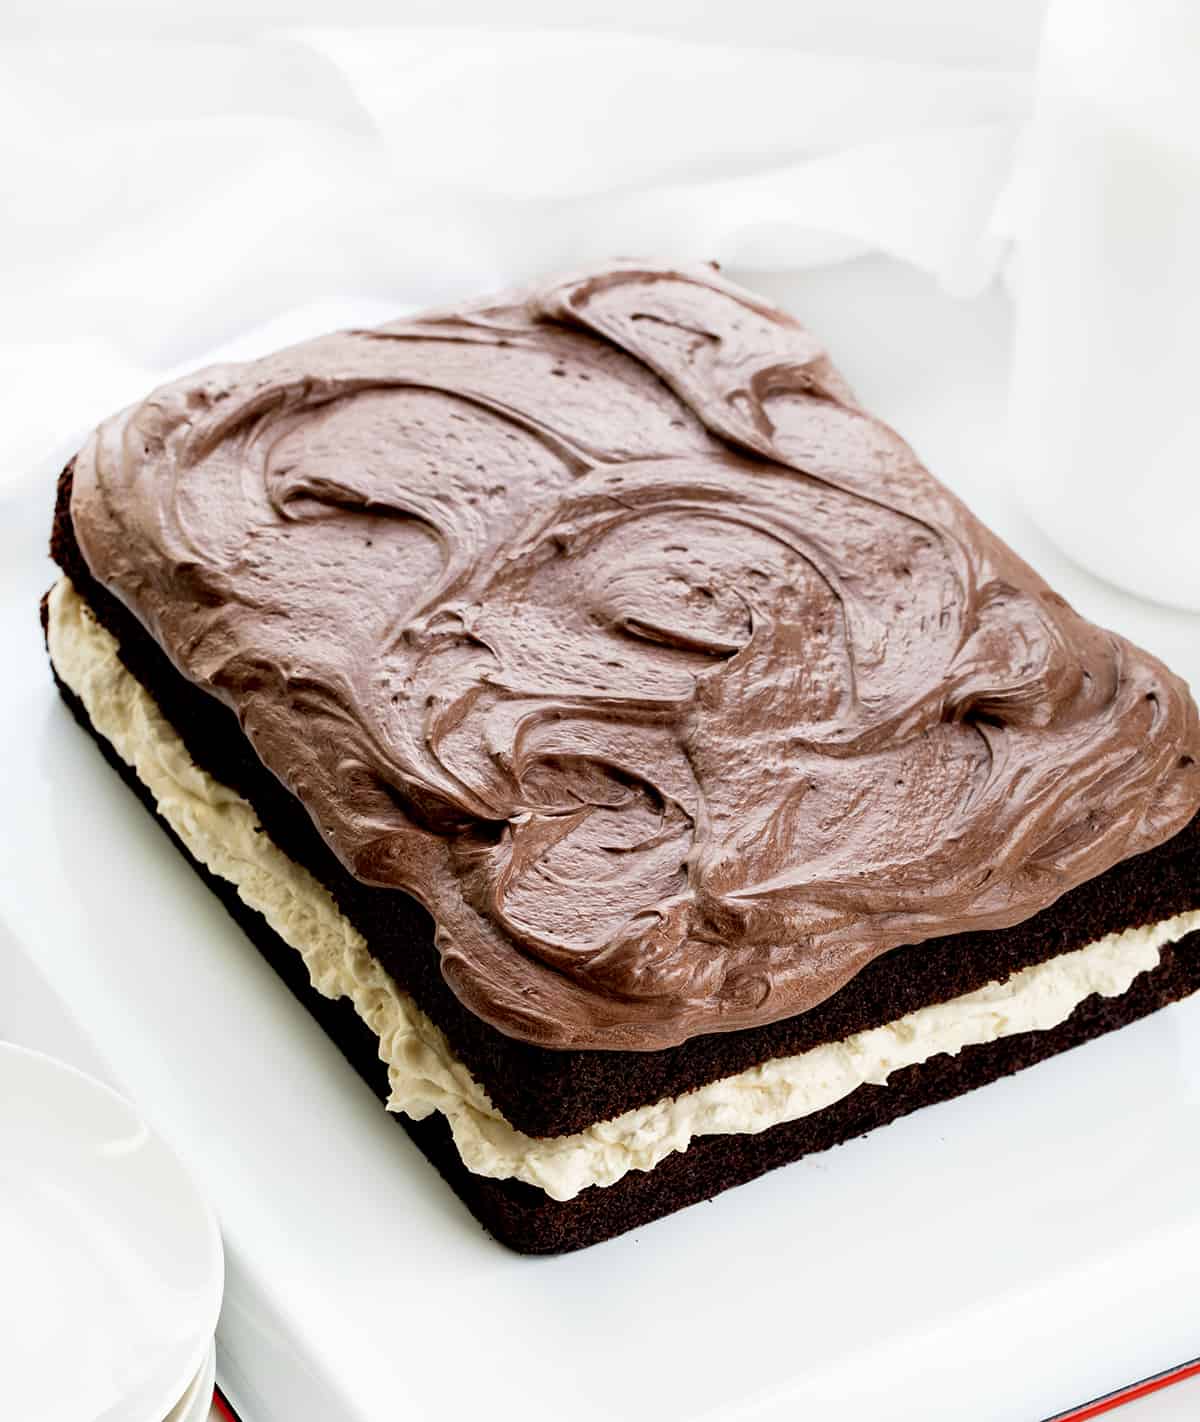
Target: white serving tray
1002,1256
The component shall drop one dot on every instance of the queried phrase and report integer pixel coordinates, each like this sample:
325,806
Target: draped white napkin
163,196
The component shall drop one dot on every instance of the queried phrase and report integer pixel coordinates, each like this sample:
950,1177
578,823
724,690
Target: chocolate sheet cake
646,771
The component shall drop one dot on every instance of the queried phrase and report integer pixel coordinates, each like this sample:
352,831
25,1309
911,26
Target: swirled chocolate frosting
604,621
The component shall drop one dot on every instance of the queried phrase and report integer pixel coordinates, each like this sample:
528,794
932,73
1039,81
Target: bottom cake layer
528,1220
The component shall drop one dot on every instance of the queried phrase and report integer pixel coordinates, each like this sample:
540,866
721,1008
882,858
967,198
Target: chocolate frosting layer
604,621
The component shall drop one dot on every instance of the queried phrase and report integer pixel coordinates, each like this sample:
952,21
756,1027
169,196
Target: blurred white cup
1106,404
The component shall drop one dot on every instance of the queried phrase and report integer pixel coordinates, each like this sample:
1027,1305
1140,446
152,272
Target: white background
173,182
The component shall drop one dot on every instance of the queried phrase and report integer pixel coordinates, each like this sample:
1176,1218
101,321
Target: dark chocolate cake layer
548,1092
528,1221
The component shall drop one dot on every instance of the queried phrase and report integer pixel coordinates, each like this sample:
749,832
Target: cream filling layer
222,831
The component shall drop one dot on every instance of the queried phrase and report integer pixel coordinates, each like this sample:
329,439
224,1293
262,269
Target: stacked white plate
113,1268
196,1404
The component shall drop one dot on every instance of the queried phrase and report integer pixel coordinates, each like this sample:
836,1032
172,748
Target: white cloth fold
165,195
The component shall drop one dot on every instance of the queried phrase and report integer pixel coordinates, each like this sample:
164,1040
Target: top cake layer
604,621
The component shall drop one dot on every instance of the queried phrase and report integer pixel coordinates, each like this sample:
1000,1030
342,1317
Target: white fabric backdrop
164,194
164,190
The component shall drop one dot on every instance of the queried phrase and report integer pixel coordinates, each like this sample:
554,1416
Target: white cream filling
222,832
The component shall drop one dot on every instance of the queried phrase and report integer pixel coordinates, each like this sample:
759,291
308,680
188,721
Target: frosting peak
604,621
